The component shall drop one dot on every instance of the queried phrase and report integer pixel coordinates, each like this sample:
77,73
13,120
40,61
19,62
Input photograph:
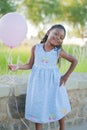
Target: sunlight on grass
21,54
18,55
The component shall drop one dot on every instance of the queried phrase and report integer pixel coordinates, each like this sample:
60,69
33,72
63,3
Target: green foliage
41,10
7,6
50,11
74,11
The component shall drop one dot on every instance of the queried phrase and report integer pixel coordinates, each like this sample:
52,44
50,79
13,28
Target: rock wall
12,102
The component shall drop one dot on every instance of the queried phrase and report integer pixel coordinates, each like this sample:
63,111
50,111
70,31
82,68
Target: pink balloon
13,29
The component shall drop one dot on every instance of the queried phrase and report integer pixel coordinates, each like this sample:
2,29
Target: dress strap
38,47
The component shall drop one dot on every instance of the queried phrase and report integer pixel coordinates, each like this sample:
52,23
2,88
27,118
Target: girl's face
56,36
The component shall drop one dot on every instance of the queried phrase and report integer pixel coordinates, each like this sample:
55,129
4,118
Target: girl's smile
55,36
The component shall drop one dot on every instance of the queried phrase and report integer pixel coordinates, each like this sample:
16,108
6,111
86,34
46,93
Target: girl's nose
58,38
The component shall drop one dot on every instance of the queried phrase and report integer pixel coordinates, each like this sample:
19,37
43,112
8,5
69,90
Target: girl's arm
26,66
73,61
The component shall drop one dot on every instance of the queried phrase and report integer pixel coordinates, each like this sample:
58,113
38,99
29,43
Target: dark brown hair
53,27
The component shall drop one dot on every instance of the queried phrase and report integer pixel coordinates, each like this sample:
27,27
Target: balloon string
11,93
8,56
19,114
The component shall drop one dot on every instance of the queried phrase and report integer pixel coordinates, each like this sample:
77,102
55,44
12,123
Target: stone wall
12,102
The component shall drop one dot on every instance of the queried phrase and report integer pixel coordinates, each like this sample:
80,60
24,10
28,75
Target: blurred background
40,15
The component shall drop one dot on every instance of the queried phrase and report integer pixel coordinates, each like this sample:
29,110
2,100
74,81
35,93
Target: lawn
21,54
80,53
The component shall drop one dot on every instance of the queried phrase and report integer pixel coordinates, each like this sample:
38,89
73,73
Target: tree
76,14
72,11
7,6
42,10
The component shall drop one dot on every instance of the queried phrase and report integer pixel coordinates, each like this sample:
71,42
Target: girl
46,99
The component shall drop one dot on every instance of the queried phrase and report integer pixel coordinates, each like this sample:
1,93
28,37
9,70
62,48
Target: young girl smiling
46,98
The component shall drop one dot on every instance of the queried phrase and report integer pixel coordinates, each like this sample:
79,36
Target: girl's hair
53,27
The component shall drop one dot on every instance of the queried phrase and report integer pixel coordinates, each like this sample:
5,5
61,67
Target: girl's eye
61,38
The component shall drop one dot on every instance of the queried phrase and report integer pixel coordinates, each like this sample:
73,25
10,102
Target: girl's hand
13,67
63,79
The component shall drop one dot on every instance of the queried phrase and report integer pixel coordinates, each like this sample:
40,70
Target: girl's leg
61,123
38,126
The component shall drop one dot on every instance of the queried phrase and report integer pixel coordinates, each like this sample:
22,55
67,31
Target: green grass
21,54
80,53
81,66
18,55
